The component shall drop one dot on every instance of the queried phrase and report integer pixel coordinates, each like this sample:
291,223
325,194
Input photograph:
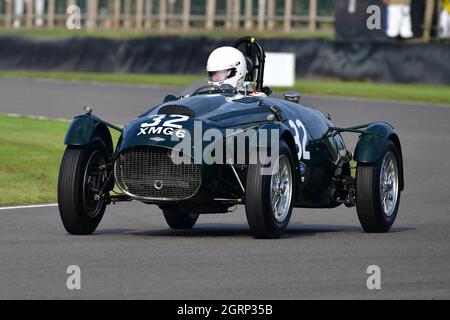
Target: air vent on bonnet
177,109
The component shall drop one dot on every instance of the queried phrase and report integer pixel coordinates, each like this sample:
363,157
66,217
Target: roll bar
254,51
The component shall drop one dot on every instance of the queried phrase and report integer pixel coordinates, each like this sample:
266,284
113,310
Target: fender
83,127
80,131
371,143
282,130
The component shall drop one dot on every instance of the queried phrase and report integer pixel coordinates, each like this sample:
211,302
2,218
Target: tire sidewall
385,220
278,227
96,144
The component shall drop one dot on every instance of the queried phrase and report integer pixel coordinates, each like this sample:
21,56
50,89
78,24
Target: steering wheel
208,86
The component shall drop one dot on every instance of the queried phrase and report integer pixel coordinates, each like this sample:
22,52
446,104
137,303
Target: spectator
39,5
417,17
18,12
444,19
398,18
19,6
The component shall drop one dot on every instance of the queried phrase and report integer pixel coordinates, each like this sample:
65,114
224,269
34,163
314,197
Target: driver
226,65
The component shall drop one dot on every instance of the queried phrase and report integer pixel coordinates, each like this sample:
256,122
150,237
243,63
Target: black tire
80,213
258,207
371,214
180,220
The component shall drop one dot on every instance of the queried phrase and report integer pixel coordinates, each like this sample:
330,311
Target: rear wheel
268,198
180,220
378,191
81,175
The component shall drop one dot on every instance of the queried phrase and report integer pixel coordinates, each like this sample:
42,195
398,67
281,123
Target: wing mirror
292,96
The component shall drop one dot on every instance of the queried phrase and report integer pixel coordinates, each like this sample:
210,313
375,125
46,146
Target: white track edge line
30,206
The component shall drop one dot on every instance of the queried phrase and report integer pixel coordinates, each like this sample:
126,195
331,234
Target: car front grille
148,173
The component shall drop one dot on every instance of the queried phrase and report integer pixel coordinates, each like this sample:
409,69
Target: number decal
168,123
156,120
296,139
167,127
171,123
306,154
301,144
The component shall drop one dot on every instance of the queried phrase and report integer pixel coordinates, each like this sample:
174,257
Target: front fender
80,131
371,144
372,141
83,128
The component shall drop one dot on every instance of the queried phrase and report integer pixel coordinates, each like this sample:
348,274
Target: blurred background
360,40
428,18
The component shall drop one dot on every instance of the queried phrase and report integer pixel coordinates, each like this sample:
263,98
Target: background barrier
379,62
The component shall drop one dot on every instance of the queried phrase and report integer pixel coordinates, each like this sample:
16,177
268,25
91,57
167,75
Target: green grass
396,92
435,94
63,33
30,155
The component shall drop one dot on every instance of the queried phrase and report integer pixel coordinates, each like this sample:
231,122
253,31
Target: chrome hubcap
281,188
389,184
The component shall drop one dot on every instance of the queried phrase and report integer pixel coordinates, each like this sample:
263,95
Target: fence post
148,14
186,15
271,15
51,14
312,15
287,15
29,7
162,15
210,14
91,15
261,14
248,14
116,18
9,9
229,14
139,14
429,10
236,14
127,9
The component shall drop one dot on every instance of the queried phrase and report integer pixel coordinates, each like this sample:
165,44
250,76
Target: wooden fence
171,15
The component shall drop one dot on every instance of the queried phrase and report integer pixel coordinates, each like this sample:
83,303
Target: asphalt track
324,253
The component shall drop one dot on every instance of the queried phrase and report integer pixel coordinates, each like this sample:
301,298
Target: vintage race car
214,148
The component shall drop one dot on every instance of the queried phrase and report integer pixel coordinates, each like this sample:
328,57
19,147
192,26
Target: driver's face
219,75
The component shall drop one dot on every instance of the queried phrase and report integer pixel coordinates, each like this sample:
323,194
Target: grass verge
30,155
437,94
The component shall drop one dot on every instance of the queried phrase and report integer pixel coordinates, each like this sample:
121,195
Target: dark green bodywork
80,131
371,143
328,154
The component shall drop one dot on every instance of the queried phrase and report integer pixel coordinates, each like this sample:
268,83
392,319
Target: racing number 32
296,126
168,123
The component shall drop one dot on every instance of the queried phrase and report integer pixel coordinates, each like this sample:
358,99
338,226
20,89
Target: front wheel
378,191
81,175
269,197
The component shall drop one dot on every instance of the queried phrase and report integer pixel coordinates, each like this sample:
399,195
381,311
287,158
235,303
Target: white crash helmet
226,65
